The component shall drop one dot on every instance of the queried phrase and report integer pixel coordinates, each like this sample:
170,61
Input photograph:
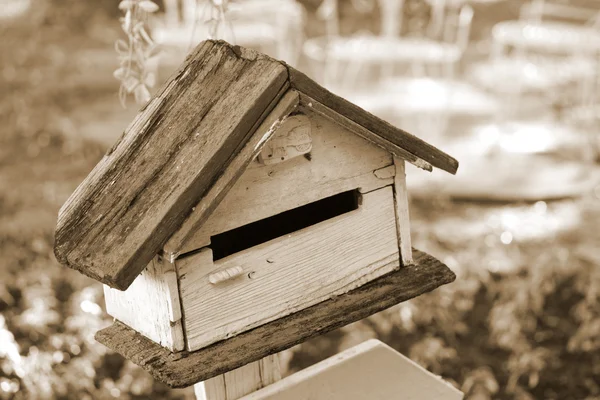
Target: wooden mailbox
245,210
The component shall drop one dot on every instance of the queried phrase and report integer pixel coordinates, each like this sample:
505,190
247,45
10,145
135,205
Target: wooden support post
370,370
402,217
235,384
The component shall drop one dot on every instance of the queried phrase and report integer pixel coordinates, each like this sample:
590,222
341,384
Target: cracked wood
166,161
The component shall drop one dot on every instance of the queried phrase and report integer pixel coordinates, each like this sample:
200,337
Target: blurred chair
585,115
426,98
542,28
446,50
434,90
276,29
340,58
344,57
540,54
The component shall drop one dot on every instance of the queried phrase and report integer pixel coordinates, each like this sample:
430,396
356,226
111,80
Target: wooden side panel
151,305
402,214
289,273
339,161
371,370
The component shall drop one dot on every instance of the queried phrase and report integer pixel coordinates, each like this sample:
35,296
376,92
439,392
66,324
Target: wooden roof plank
400,138
217,192
184,369
179,144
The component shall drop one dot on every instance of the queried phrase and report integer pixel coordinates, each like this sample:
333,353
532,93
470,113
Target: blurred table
379,49
549,36
409,96
510,75
515,161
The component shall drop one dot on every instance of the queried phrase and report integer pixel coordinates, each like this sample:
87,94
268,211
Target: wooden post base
235,384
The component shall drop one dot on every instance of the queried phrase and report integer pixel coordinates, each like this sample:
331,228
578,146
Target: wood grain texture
289,273
151,304
402,213
312,104
385,172
166,162
186,368
293,139
211,389
202,211
404,140
370,370
340,161
235,384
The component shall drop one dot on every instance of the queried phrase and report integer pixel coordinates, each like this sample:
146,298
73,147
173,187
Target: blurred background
508,87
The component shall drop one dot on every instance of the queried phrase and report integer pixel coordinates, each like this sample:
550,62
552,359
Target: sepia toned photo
300,199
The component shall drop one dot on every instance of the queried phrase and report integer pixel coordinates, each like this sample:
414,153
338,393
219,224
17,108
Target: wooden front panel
339,161
289,273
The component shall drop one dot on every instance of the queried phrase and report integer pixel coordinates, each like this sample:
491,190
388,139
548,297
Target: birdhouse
243,211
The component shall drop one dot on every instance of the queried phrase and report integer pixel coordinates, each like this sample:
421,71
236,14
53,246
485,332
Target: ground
520,322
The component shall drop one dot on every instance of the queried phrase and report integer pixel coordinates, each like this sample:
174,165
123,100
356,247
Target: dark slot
244,237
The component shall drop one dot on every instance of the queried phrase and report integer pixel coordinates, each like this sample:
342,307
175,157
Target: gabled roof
187,147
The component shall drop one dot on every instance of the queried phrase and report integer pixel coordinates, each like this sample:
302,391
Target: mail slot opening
244,237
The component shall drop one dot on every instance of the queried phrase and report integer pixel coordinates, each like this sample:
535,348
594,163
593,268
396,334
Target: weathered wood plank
235,384
212,389
151,304
370,370
359,130
184,368
167,160
203,210
270,369
402,213
339,161
289,273
410,144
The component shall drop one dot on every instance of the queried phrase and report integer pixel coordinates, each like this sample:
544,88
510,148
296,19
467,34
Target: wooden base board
184,368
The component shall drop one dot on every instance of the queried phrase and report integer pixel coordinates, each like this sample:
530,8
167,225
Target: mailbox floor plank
151,304
186,368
